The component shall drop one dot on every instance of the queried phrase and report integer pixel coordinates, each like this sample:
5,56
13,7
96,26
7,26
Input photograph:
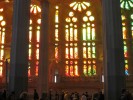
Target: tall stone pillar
113,50
18,81
43,63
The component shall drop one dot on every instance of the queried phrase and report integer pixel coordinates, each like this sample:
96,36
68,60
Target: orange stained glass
85,70
36,71
76,70
67,53
71,34
75,34
124,32
29,71
37,54
30,35
35,9
1,71
71,70
56,52
67,35
38,35
30,54
84,52
71,53
67,70
56,35
1,54
75,52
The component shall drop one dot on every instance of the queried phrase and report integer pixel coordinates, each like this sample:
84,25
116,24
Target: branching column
19,47
113,50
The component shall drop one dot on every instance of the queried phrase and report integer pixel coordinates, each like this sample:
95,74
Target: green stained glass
89,52
94,70
89,70
88,33
126,61
85,70
126,4
125,48
84,34
131,23
93,34
132,17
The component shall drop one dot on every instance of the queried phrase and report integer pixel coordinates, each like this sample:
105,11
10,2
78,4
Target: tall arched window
78,40
2,41
127,21
34,39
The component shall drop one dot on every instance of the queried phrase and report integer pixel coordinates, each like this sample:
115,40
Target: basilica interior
75,43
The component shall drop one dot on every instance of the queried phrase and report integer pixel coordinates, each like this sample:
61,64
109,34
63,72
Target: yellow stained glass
76,70
75,52
71,71
84,52
75,34
67,70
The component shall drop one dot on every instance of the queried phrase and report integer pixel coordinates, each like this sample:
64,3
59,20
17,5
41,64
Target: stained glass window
34,40
80,41
71,46
89,45
126,4
127,22
79,5
56,33
2,41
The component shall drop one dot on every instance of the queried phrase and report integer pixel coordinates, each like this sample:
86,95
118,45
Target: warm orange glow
35,9
38,35
1,70
29,72
39,21
29,54
1,9
36,71
80,5
3,23
30,36
67,71
1,18
37,54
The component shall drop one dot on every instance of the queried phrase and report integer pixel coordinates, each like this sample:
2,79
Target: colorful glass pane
80,5
126,4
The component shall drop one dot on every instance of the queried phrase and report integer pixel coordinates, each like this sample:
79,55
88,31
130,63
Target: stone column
113,50
18,81
43,62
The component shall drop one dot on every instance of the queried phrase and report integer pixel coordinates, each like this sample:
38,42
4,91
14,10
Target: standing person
36,97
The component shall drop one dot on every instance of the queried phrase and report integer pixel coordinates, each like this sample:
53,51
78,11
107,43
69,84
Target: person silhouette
36,97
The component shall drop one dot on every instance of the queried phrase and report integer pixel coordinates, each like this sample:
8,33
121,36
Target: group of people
126,95
62,95
66,95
